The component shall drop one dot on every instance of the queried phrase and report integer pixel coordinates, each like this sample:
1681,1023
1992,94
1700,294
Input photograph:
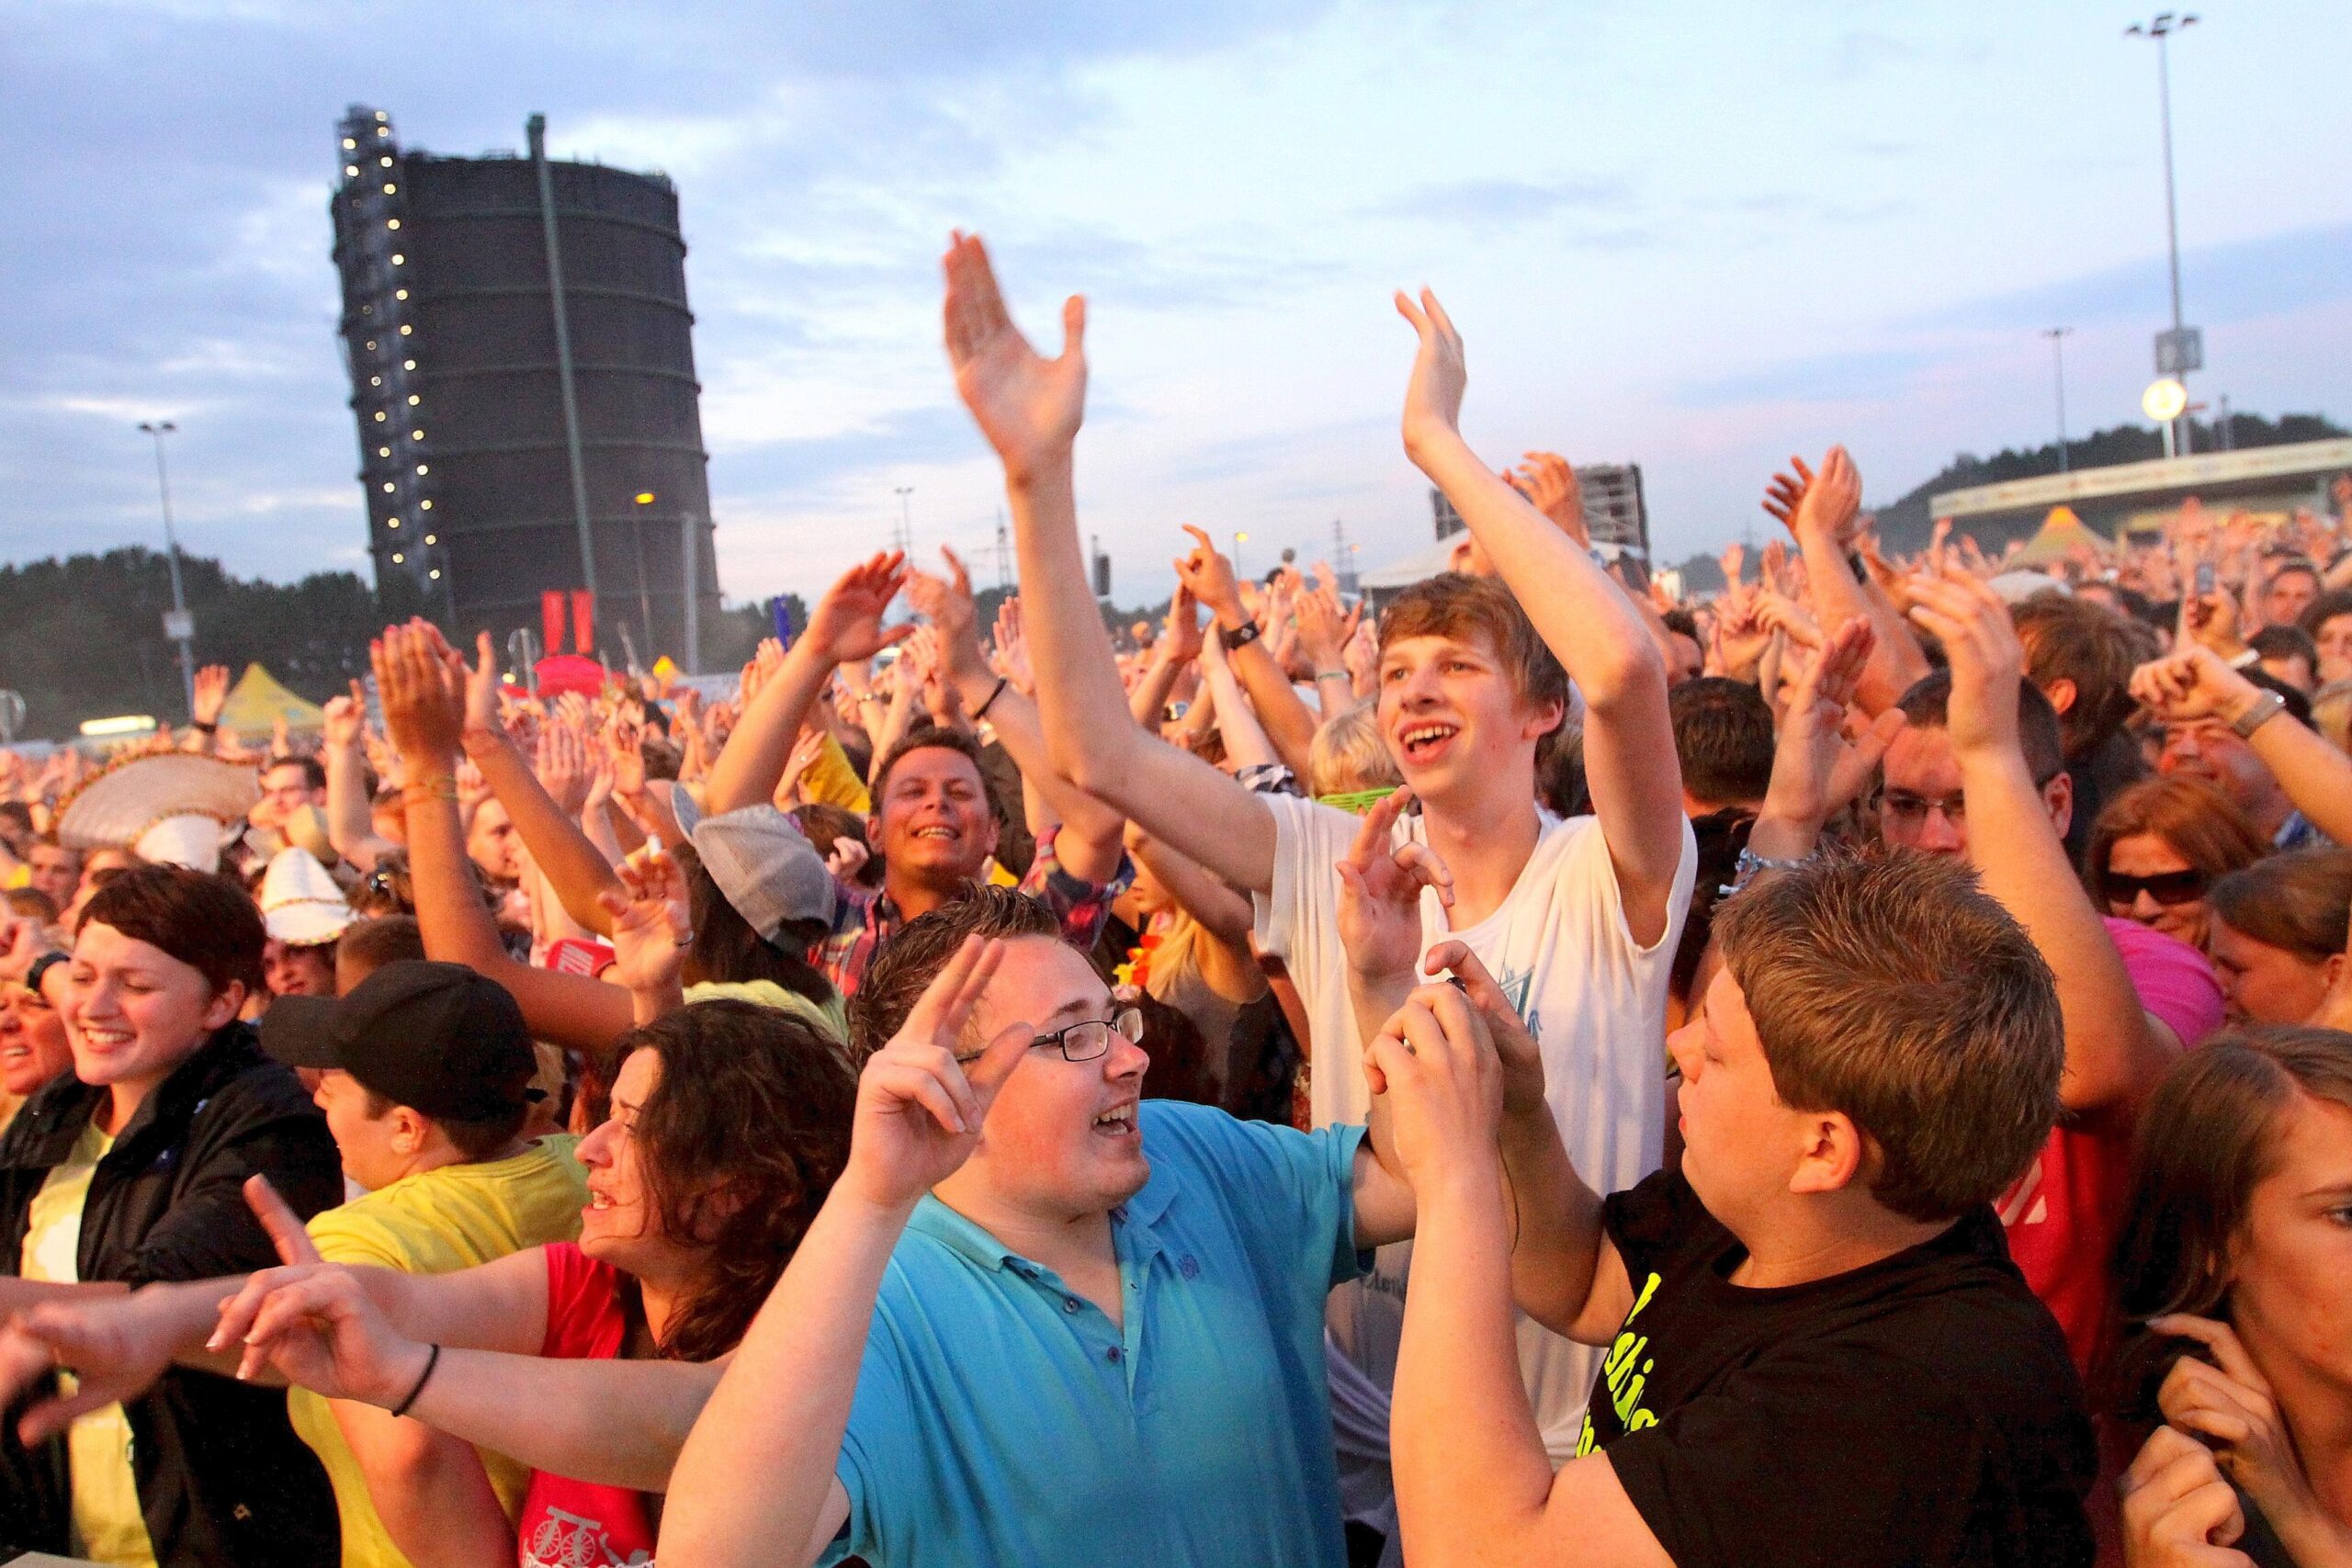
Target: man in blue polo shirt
1096,1334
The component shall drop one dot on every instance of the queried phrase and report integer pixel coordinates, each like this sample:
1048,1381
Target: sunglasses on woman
2166,888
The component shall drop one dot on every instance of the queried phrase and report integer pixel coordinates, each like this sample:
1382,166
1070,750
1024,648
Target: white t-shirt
1593,998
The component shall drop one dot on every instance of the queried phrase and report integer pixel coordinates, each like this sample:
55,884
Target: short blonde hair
1348,754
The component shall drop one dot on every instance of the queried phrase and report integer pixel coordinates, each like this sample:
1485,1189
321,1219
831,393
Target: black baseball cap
434,1037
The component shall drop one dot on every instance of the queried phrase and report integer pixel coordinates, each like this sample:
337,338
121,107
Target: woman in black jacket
131,1169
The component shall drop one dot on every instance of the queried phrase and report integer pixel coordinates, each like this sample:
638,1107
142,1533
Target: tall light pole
906,517
2182,349
2057,336
180,625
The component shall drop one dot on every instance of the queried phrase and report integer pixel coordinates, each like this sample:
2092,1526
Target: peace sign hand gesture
920,1103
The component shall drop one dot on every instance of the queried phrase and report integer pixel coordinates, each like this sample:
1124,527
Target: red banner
583,623
551,619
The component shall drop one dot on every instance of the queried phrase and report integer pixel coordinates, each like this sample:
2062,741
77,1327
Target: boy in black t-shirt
1818,1351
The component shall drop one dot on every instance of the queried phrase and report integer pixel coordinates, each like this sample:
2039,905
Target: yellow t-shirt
107,1524
459,1216
831,781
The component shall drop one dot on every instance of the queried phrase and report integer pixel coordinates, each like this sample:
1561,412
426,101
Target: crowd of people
1851,1069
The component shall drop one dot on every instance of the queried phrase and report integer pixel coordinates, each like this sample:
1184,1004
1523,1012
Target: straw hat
300,904
157,796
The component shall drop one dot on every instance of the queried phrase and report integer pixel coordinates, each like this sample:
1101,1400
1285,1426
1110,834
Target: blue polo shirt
1001,1419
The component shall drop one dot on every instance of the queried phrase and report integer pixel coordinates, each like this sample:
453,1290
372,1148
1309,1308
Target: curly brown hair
742,1136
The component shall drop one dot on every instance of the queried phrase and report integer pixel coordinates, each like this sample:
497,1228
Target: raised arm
1246,745
1821,511
568,859
1289,724
845,628
2194,683
351,825
2113,1054
421,683
1629,757
1029,408
1089,842
1472,1482
758,1478
1180,647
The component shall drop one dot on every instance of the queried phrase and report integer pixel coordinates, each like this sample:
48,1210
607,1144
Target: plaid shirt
865,918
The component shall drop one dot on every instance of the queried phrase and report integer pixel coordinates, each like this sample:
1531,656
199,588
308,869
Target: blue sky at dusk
1695,236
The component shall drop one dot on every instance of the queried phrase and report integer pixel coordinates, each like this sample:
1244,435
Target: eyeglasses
1085,1041
2168,888
1904,807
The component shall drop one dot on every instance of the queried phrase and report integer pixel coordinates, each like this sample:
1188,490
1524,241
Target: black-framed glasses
1085,1041
2169,888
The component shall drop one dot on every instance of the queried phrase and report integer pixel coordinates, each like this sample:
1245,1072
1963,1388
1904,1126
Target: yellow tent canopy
257,702
2061,535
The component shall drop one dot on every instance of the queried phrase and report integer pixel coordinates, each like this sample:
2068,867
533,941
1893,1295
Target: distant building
516,400
1613,508
2266,483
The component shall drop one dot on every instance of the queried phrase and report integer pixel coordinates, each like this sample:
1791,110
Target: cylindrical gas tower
522,371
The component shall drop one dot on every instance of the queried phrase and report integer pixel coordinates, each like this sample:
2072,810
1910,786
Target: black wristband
201,727
40,966
1857,565
1239,637
982,711
431,1361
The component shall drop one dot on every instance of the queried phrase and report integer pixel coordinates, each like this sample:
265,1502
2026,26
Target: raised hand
1777,613
1434,393
1816,770
211,694
421,687
1435,1063
1182,643
846,625
847,858
2192,683
1961,610
1515,1048
1012,659
346,719
1545,478
1827,504
1208,577
1380,894
1362,657
562,767
651,928
920,1104
805,752
1324,628
946,603
1029,407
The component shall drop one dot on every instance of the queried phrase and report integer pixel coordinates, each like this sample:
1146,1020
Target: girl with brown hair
2236,1256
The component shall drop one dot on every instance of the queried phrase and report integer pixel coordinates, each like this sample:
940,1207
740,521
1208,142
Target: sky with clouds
1695,236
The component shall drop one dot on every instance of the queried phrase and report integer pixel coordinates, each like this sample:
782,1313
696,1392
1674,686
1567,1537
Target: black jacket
223,1481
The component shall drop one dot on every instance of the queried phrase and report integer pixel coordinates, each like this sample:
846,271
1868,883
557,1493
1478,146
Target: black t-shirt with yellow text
1919,1411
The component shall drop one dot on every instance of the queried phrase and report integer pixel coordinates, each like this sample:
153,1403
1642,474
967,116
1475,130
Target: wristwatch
1239,637
2266,706
1751,865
